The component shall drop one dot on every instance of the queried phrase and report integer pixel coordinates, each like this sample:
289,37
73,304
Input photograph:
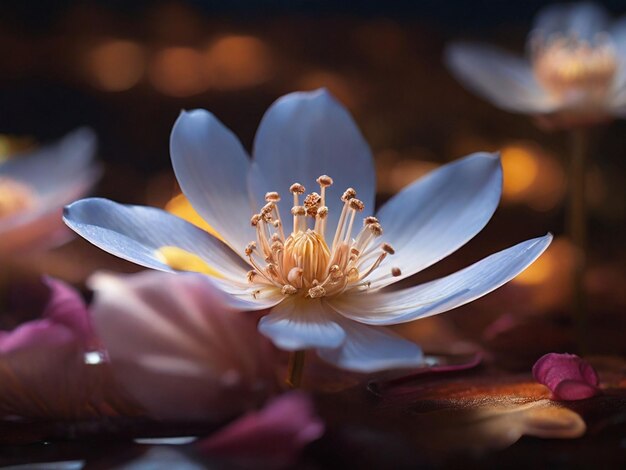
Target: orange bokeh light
116,65
177,71
234,62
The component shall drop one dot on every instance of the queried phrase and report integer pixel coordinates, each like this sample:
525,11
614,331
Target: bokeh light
116,65
532,176
177,71
234,62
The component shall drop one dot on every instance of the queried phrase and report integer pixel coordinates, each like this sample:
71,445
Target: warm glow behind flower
322,265
574,76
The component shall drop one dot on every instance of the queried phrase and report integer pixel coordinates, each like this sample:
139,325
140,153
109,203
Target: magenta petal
567,376
271,437
574,390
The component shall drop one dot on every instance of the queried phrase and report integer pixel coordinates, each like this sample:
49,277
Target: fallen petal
567,376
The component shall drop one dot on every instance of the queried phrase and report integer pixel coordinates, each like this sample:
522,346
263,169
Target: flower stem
577,227
295,369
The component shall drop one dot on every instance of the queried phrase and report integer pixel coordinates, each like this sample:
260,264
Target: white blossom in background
574,73
35,187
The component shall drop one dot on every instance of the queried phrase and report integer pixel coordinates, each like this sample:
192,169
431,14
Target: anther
276,237
370,220
250,248
288,290
277,246
357,204
296,188
395,272
254,221
312,200
276,223
251,275
311,211
298,210
324,181
348,194
272,196
376,229
335,272
267,208
317,292
271,270
387,248
322,212
354,251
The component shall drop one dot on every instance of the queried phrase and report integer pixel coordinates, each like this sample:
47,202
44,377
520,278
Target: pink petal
567,376
66,306
175,346
273,436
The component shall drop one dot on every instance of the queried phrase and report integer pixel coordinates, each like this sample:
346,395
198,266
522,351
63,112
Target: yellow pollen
15,197
182,260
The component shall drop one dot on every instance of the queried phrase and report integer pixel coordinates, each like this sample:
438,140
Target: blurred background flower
575,74
34,187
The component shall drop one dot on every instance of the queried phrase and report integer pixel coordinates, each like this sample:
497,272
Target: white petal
298,323
177,348
438,214
212,168
584,20
307,134
441,295
372,349
499,77
135,233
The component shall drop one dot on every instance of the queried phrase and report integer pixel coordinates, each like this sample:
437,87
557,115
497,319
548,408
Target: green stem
577,227
295,369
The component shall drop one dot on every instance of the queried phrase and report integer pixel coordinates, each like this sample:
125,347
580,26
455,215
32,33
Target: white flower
35,187
575,74
322,266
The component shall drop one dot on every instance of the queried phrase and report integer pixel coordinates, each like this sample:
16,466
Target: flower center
305,263
14,197
576,69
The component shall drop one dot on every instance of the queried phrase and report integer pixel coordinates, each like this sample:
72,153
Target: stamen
324,181
296,189
288,290
395,272
272,196
255,220
348,194
369,220
250,248
312,200
386,247
251,275
317,292
357,206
